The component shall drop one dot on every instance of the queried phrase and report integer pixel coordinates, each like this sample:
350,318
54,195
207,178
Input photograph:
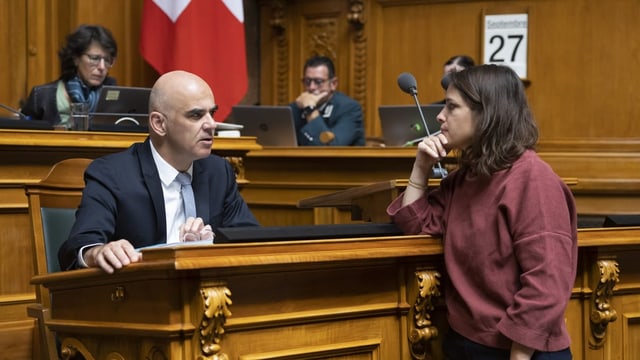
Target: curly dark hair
504,125
78,42
463,60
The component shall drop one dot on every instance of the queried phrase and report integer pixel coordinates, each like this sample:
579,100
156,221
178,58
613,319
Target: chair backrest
52,205
56,226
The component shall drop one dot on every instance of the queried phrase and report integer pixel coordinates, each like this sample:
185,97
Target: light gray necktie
187,195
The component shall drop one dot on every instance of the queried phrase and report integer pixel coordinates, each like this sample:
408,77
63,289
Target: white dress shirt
172,196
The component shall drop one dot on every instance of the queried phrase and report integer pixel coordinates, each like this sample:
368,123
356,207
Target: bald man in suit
132,199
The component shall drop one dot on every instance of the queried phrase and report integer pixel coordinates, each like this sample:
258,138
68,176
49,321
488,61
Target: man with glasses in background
85,60
324,116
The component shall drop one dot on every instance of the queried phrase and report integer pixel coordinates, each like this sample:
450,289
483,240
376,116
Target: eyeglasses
94,60
317,81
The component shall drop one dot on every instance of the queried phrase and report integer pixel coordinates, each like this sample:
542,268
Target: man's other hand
112,255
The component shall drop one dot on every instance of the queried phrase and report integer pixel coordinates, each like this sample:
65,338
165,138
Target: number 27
501,42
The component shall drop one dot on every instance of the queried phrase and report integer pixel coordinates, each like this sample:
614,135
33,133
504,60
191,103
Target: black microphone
20,114
407,83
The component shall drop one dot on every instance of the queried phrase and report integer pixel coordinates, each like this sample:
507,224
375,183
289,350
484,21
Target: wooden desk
26,157
329,299
281,177
274,181
604,180
369,202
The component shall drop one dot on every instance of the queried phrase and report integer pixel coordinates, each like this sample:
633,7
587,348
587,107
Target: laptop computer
271,125
123,100
121,108
402,125
118,122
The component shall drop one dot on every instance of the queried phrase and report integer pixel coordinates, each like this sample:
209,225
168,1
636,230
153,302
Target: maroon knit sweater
510,250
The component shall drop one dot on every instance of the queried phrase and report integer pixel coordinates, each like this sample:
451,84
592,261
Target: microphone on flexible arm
19,113
407,83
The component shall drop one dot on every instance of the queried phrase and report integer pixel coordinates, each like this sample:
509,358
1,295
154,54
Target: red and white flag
205,37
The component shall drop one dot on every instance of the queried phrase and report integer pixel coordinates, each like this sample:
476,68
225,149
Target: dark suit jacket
123,199
344,121
42,105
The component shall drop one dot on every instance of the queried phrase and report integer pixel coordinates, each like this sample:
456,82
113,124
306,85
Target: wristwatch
308,110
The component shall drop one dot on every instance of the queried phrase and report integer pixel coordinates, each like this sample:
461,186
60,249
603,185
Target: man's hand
112,255
194,229
311,99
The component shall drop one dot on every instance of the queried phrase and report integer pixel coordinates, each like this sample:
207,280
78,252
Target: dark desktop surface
22,124
118,128
622,220
607,221
14,123
303,232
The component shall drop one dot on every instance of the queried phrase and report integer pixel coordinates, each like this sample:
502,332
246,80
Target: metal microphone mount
407,83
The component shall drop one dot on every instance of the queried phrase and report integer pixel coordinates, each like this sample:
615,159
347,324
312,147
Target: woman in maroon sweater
508,223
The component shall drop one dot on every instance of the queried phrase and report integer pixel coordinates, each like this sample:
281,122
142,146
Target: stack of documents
228,130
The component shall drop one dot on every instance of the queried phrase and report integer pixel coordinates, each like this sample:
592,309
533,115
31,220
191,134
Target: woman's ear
158,123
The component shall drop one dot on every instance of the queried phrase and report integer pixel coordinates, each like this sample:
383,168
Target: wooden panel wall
123,18
12,41
583,68
583,64
35,30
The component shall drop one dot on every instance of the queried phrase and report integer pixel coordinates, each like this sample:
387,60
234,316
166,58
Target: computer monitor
402,124
121,108
271,125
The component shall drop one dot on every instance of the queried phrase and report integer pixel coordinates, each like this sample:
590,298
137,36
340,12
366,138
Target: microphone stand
21,116
440,172
415,141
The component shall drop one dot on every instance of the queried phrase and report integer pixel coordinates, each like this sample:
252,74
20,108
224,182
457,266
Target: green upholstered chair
52,205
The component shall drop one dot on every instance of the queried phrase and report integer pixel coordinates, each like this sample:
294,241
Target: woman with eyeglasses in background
85,60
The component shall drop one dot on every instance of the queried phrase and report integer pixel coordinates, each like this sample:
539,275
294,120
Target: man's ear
158,123
334,83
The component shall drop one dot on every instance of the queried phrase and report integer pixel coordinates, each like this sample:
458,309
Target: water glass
79,119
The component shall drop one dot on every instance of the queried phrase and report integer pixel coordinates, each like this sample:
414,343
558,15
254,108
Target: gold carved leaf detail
216,301
601,311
